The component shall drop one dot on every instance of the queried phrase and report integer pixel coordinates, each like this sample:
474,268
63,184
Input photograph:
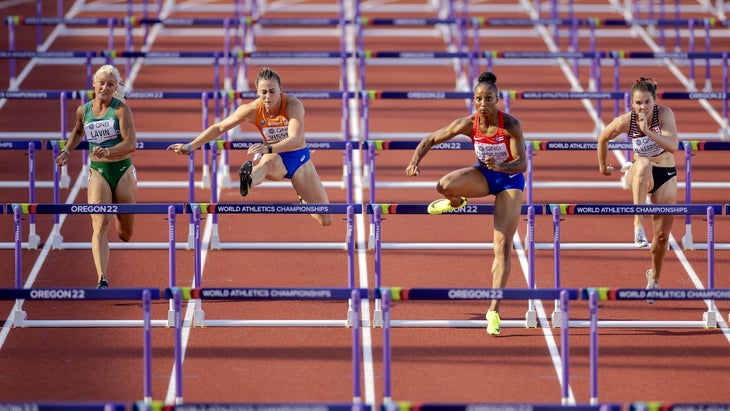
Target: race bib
98,132
646,147
498,151
275,134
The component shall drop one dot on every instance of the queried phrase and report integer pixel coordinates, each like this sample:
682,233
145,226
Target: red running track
313,364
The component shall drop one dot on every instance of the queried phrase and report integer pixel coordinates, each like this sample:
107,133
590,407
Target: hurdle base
57,241
171,318
351,318
377,318
34,240
556,318
687,242
19,317
709,319
531,319
191,236
199,317
215,238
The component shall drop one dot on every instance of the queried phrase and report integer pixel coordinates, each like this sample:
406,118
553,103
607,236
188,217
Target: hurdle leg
191,236
215,239
34,240
687,241
377,314
19,315
710,319
198,313
57,238
556,316
205,180
531,316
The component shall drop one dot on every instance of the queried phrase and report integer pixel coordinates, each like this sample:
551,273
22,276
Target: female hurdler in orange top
280,120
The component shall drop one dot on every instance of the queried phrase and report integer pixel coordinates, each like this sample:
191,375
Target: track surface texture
306,364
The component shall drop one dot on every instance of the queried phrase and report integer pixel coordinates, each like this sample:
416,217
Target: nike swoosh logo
512,175
671,174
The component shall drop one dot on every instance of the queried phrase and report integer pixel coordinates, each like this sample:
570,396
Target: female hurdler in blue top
653,132
107,123
500,150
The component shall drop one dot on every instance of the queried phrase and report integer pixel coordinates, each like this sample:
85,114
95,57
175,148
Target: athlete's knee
324,219
125,236
100,222
661,237
444,187
125,232
502,247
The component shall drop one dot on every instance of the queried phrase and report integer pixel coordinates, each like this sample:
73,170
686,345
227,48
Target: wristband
187,146
271,149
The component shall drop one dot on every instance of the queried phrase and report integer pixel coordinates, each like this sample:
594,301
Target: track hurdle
463,294
708,318
238,208
354,295
345,135
346,182
629,294
378,209
77,294
18,209
60,406
31,145
690,147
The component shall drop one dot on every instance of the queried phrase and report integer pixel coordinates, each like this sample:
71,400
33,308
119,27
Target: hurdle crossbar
50,208
345,146
376,210
64,405
593,295
687,146
353,295
390,294
78,294
350,210
31,146
557,210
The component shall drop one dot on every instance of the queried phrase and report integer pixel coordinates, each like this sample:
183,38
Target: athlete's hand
607,171
178,148
642,122
412,170
62,158
101,152
258,148
491,163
